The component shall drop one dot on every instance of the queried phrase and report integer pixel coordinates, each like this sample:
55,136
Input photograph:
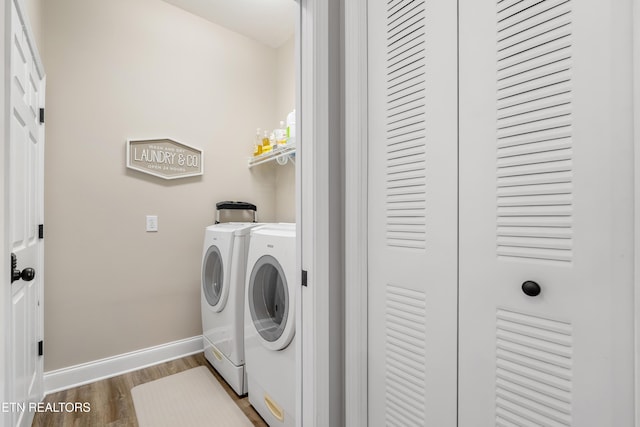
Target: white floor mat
192,398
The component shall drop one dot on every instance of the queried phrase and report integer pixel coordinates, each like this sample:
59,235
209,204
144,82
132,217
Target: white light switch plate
152,222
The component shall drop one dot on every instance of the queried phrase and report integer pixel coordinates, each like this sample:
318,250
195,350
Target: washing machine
270,323
222,294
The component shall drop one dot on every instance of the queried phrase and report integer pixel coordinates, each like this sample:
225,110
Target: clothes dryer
222,300
270,323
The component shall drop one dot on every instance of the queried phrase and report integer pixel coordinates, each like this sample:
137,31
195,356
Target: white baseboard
85,373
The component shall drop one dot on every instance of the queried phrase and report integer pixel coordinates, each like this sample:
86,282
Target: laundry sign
164,158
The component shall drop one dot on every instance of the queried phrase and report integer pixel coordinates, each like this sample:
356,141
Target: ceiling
271,22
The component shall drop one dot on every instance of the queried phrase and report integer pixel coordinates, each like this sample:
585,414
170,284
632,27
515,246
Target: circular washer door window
212,276
268,298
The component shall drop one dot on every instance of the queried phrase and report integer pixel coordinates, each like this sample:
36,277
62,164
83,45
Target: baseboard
85,373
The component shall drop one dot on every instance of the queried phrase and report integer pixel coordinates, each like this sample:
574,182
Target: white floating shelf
280,152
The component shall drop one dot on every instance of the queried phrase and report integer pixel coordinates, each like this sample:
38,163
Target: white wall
123,69
34,11
285,79
285,102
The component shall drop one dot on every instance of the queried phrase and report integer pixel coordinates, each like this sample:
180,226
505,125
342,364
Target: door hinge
304,277
40,348
15,273
41,231
42,116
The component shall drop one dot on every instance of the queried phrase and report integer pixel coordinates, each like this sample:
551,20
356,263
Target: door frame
6,392
356,217
356,126
320,400
636,146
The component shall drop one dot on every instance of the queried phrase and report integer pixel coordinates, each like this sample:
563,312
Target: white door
412,306
546,196
25,215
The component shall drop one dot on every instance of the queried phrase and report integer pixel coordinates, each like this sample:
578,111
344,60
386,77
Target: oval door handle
28,274
531,288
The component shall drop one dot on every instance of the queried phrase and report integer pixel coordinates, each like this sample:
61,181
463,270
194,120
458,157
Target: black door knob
28,274
531,288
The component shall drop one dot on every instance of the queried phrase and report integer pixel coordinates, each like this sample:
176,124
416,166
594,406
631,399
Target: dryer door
213,279
270,303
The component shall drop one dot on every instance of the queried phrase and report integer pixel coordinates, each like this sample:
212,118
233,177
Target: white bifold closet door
546,196
412,213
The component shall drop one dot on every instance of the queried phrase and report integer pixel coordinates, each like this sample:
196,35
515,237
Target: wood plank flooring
111,402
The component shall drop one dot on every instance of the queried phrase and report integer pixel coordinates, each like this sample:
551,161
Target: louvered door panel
405,357
406,124
545,195
534,137
412,210
533,370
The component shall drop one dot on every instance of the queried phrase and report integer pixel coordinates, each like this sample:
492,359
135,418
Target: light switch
152,222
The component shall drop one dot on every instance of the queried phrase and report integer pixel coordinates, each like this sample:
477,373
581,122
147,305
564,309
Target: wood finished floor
111,402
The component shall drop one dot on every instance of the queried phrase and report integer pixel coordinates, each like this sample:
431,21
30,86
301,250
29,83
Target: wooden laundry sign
164,158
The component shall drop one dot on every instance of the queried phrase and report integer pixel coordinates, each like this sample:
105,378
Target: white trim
299,201
5,291
305,232
85,373
41,220
356,208
321,221
306,127
636,138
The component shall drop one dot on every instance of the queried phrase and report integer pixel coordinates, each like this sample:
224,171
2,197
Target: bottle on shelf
257,145
280,135
266,143
291,127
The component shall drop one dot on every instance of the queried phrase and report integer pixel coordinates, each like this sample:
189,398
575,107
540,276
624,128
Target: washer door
270,303
213,279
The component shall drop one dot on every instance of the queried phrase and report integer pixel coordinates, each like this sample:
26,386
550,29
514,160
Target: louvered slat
405,356
406,124
534,130
533,370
